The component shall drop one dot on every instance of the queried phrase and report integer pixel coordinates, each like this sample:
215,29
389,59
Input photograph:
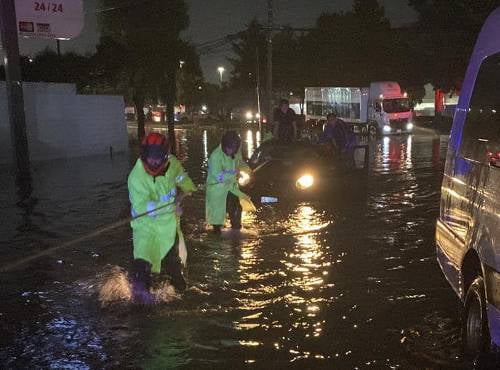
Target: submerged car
298,170
468,227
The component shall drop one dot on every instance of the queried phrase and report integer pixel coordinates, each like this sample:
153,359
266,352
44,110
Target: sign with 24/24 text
54,19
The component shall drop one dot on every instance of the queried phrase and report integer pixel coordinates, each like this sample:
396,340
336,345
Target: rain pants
155,234
222,178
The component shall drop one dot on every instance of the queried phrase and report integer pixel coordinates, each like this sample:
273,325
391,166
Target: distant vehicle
156,113
468,227
252,117
130,113
381,108
159,111
248,116
297,171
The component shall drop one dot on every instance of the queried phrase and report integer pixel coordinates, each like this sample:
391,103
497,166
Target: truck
380,109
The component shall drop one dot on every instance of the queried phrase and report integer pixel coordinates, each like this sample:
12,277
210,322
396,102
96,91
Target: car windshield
396,105
297,152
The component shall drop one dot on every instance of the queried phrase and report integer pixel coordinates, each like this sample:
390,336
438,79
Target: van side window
481,133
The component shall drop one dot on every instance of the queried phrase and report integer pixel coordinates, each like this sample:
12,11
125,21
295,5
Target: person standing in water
223,192
285,123
153,186
337,133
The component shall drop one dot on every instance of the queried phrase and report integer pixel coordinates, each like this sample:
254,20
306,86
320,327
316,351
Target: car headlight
249,115
387,128
305,182
244,178
409,126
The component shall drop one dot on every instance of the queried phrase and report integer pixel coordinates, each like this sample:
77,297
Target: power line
130,4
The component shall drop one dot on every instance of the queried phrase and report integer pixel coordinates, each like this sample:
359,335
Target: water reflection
409,141
205,148
250,144
313,281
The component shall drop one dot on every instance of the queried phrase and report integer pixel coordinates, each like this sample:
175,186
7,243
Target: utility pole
258,89
269,63
15,100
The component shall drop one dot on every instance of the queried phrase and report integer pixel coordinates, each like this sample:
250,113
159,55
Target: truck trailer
381,108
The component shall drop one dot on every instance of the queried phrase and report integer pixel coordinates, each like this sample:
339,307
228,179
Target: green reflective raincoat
222,178
154,234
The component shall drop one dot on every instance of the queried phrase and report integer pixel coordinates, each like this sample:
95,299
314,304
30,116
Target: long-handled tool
23,261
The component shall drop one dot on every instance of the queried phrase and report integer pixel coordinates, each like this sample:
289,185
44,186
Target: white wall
63,124
427,107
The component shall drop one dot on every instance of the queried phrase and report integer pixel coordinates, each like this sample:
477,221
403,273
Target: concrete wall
63,124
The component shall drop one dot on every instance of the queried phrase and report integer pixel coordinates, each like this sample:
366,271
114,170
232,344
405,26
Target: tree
47,66
350,48
444,24
249,64
189,78
250,44
148,33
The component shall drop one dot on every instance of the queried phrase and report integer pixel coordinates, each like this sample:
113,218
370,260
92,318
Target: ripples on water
349,281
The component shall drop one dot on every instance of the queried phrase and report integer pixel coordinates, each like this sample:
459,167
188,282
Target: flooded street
346,282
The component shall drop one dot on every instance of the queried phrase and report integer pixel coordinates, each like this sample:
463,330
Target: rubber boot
141,282
173,268
234,210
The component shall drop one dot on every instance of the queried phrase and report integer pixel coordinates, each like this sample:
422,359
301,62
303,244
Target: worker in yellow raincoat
223,192
154,185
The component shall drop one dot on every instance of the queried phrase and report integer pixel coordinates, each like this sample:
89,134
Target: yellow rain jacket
222,178
154,234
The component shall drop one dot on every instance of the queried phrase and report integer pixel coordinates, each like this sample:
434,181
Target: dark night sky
212,19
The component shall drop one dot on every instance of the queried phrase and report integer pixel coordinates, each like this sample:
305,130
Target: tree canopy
147,35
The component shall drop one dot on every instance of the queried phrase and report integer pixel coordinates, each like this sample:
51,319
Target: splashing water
116,288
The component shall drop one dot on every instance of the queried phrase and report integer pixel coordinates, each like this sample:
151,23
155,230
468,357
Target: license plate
268,200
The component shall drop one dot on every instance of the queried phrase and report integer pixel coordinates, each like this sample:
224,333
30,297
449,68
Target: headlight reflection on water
306,264
250,143
289,273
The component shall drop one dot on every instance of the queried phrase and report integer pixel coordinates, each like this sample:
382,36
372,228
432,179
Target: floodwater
346,282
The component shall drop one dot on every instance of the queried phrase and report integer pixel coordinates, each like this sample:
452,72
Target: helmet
230,141
154,153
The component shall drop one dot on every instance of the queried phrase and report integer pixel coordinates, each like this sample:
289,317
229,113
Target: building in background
437,100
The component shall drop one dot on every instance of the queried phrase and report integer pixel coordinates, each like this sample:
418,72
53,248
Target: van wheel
475,333
372,130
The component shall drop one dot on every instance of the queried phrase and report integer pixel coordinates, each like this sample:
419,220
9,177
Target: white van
468,228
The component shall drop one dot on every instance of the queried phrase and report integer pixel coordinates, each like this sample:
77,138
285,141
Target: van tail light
493,158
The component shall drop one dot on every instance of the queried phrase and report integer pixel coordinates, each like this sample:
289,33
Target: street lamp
221,71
